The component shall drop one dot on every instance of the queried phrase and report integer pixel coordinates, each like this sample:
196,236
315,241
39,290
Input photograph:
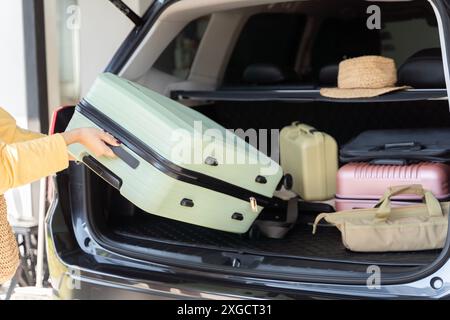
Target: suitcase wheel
288,182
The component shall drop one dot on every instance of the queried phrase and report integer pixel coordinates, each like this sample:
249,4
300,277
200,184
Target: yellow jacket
26,156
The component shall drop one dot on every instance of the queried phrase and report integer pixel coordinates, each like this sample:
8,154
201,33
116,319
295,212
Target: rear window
178,57
268,38
303,43
400,39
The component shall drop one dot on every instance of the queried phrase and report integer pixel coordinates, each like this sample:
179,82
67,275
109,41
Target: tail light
61,118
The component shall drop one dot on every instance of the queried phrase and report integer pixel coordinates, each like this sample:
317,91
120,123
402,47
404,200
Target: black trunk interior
343,121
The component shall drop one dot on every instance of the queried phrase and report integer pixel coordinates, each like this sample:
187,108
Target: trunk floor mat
326,245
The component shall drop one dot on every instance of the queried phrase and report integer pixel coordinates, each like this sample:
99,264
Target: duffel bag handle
384,205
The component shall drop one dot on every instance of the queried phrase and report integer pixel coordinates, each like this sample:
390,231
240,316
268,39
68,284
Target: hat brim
340,93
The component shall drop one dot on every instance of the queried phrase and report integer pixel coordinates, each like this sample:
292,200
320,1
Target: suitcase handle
390,162
410,146
125,156
103,172
304,128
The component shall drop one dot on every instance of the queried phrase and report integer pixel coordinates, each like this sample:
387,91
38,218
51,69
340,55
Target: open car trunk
121,222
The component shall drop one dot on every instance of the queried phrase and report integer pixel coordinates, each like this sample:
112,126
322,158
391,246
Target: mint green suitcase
174,162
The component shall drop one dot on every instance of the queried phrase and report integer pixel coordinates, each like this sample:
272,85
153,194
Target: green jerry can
174,162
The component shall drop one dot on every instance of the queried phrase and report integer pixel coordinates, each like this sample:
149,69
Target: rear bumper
84,288
89,286
83,284
100,282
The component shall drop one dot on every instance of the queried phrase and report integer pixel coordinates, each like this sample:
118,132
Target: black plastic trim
136,36
300,95
164,165
103,172
127,11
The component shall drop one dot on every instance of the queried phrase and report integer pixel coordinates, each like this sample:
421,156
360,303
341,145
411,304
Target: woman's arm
24,162
11,133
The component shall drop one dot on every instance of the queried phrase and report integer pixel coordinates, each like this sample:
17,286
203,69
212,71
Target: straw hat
364,77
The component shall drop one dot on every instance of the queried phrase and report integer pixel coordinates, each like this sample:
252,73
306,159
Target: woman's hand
93,139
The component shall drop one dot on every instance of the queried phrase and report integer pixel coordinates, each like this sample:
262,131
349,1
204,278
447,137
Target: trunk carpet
325,245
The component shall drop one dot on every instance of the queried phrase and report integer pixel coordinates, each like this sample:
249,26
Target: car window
401,34
338,39
400,39
276,38
267,38
178,57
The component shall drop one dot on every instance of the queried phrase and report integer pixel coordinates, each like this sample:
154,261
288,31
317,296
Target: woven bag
9,251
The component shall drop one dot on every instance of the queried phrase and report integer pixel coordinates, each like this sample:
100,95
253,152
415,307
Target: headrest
266,74
423,69
328,75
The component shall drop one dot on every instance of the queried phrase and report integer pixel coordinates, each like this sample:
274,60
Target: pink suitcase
361,185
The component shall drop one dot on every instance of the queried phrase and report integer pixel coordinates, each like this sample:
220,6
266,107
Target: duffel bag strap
319,218
276,229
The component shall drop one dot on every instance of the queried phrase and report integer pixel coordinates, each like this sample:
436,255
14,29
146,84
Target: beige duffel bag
9,252
383,228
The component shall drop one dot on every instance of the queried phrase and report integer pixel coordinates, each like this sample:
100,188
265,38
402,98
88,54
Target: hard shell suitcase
311,158
174,162
360,185
399,146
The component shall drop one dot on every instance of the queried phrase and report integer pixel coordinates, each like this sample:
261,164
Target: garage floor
28,293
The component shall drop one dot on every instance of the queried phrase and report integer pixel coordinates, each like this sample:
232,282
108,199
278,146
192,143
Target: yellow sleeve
24,162
10,132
